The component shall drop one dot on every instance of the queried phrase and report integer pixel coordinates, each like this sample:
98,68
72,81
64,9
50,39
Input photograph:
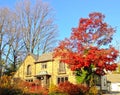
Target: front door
45,81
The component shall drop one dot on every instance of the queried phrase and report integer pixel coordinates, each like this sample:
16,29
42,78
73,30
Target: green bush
57,93
8,91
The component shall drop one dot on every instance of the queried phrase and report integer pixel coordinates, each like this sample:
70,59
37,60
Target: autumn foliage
88,46
20,87
72,89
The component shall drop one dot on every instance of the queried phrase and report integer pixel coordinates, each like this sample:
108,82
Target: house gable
22,70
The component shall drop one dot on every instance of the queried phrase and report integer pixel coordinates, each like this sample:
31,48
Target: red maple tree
87,48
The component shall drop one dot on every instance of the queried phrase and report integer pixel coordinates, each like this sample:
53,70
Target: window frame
62,68
61,79
44,66
29,67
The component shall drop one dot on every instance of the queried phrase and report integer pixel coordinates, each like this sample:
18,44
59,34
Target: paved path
112,94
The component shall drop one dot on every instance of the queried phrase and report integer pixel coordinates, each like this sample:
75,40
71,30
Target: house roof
45,57
34,56
114,78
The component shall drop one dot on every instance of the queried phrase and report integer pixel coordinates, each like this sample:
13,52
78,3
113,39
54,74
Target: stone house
45,70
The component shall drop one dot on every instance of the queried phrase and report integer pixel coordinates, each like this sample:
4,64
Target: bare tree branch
36,22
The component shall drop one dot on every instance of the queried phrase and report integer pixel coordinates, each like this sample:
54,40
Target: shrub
12,91
72,89
19,87
53,89
83,88
5,81
38,90
57,93
31,88
93,90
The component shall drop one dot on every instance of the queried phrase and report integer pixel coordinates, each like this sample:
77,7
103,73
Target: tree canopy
84,49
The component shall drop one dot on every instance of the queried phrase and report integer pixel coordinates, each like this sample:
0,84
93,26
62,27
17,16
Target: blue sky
68,13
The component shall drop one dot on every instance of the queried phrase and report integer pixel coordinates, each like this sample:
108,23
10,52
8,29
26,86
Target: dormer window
29,70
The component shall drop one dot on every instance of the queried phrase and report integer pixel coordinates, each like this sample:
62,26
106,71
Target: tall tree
5,21
84,51
37,25
28,28
17,47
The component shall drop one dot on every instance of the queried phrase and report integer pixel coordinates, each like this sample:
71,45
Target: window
29,70
62,79
97,80
29,80
66,78
58,80
44,65
61,68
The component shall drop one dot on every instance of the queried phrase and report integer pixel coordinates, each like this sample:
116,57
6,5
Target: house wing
30,58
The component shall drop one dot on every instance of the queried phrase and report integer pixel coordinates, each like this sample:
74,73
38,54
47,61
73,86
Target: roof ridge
45,57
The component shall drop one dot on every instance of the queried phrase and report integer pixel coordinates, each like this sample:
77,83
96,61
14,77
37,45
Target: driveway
113,93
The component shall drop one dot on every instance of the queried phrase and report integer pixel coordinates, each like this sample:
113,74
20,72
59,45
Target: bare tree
47,44
16,44
28,28
37,25
4,40
10,38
